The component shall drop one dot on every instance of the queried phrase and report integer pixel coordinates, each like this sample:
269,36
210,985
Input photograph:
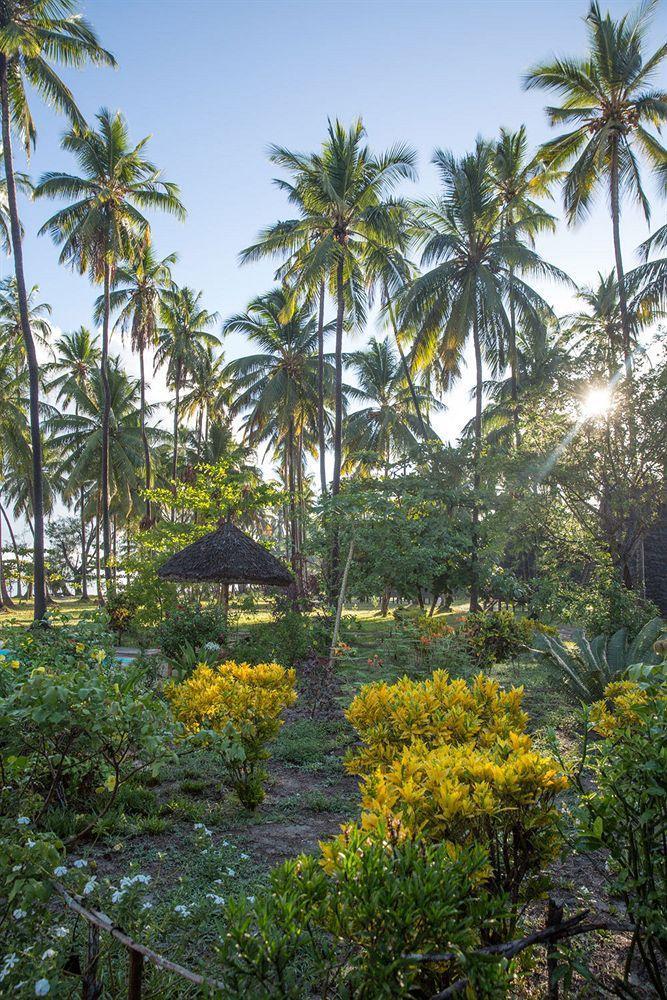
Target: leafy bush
72,734
346,924
190,624
601,606
290,638
589,665
493,636
120,608
626,812
438,711
63,644
242,704
451,762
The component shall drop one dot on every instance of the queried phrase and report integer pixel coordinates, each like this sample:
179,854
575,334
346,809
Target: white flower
231,872
23,821
60,932
183,910
225,843
244,856
49,953
42,987
218,900
31,843
147,905
19,914
213,647
60,871
81,863
117,896
90,885
11,961
251,899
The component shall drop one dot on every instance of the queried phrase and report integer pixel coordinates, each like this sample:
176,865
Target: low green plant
288,639
120,607
624,810
191,624
590,664
493,636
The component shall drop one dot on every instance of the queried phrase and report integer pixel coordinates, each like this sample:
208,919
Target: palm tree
465,293
608,101
14,431
387,428
182,341
77,359
104,226
342,194
32,37
278,387
519,179
136,295
10,316
209,397
599,327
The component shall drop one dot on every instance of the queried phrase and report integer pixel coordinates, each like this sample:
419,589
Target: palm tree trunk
294,525
620,276
514,363
144,436
84,566
474,567
338,420
106,418
320,392
5,598
406,368
98,561
17,557
31,353
174,459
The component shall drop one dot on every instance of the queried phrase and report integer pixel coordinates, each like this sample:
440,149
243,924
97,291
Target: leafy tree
32,37
608,100
103,226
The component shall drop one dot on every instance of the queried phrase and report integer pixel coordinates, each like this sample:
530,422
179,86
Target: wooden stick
135,973
341,601
554,919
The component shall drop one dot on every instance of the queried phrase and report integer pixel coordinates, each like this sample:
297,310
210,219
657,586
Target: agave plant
591,664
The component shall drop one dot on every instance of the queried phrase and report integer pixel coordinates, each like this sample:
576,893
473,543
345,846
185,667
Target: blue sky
215,81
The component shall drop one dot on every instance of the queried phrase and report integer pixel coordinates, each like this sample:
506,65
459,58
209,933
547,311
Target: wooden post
135,974
554,919
91,988
341,601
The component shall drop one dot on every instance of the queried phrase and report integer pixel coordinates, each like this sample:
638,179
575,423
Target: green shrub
589,665
193,625
345,924
120,608
626,812
290,638
493,636
73,734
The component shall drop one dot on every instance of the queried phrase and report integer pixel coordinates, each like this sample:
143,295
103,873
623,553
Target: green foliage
73,733
493,636
120,608
626,812
351,919
191,625
288,639
589,665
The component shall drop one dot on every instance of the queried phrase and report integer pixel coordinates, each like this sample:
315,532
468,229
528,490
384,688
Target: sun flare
596,402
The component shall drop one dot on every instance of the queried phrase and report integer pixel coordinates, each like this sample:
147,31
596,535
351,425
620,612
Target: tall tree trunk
106,418
5,597
174,459
31,354
294,524
320,392
98,560
84,561
338,420
474,584
514,364
17,557
144,436
620,276
406,367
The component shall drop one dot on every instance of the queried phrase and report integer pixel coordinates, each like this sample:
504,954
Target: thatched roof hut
227,555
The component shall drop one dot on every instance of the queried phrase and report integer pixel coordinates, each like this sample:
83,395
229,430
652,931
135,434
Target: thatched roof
227,555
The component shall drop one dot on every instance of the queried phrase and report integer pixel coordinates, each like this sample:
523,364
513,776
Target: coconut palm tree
10,316
598,328
14,430
182,341
608,100
33,36
464,294
209,396
520,179
277,388
342,194
77,359
387,427
138,289
104,226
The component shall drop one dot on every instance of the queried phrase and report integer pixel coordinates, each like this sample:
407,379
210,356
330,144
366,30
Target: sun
596,402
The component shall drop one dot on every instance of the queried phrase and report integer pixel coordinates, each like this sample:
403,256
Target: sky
215,81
